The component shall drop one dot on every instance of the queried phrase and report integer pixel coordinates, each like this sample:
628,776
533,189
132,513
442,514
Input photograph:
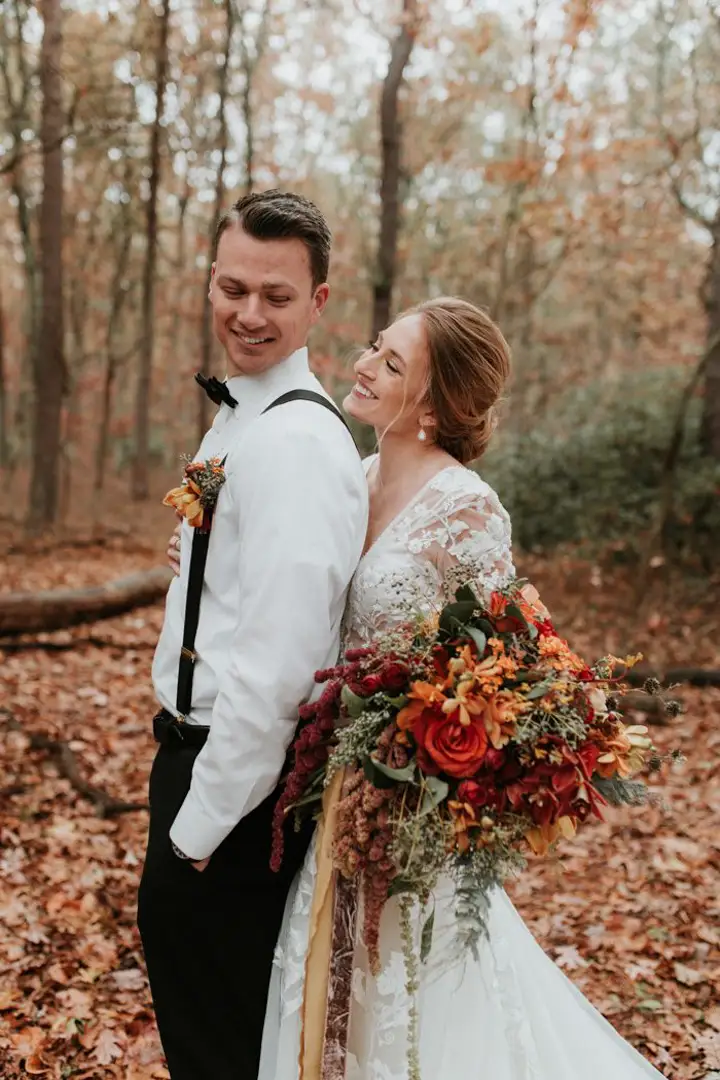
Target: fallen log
56,609
674,676
18,644
651,705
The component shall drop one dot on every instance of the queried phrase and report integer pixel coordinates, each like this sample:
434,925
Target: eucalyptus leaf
538,691
426,936
478,637
399,702
527,676
354,704
374,774
401,775
435,791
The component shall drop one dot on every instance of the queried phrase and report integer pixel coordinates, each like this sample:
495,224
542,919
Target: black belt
169,731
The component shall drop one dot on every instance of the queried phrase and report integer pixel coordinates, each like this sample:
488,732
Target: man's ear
212,278
320,299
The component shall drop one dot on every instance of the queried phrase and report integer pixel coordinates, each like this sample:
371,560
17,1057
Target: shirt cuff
194,832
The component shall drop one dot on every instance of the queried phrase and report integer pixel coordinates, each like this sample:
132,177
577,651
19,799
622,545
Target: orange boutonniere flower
196,497
185,500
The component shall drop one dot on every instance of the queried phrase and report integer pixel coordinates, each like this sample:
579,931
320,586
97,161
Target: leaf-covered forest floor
629,909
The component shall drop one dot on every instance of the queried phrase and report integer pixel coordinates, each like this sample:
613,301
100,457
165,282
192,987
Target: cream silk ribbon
317,961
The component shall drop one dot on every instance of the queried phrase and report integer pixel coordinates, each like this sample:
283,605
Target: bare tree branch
68,766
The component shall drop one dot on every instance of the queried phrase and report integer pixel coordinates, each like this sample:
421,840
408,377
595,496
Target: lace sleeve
470,544
455,532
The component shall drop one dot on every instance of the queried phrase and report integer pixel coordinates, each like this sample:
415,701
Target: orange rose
448,745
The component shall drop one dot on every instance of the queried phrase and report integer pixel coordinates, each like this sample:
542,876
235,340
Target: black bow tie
217,391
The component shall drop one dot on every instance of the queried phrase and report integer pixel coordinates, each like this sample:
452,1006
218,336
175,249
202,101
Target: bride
429,386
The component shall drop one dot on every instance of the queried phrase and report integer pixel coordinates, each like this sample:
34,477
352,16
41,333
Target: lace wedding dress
511,1014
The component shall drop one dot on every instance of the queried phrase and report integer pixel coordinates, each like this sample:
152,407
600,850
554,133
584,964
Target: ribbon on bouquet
329,961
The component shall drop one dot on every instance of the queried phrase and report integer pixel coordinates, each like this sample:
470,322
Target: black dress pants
209,937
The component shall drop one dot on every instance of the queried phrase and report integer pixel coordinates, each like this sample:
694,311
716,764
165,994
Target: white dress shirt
287,534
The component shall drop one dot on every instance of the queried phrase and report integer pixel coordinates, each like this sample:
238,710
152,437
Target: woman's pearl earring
421,434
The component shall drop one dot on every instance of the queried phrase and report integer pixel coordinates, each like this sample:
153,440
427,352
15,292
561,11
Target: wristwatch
180,854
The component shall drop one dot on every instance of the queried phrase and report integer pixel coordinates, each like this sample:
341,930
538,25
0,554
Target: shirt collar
254,392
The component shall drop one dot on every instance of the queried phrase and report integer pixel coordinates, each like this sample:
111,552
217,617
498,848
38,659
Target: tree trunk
391,139
4,441
251,53
118,296
48,367
56,609
117,301
206,329
140,480
249,134
710,429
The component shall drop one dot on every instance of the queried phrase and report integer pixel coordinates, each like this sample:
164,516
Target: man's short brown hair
282,215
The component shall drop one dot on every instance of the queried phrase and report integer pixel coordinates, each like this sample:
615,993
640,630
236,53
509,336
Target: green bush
591,469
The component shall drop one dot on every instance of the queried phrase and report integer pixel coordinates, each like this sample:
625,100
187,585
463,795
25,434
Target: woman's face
391,376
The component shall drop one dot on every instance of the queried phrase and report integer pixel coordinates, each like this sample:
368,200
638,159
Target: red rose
457,749
369,685
394,676
482,793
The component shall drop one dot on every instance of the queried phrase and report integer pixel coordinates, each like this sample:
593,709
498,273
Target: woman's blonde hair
468,366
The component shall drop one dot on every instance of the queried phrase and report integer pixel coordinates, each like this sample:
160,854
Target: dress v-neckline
408,505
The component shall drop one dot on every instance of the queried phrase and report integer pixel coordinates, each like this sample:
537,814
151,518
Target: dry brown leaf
36,1065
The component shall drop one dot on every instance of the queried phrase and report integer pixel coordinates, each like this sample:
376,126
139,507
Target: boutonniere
196,497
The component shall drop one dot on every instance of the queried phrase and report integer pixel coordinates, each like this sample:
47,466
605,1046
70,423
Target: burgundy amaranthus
363,834
313,743
363,839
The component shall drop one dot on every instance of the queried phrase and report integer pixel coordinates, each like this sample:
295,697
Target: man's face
263,300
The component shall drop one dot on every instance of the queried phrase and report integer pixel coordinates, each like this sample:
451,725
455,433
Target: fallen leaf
35,1065
107,1047
687,975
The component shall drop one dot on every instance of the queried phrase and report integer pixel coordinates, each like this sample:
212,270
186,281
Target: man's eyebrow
267,286
270,285
395,354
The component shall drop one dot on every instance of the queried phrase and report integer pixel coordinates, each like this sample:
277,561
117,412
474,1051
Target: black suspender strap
308,395
196,577
196,574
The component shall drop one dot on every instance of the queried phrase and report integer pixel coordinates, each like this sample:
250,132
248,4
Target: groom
286,536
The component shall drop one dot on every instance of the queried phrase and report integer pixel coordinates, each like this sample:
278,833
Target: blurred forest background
556,161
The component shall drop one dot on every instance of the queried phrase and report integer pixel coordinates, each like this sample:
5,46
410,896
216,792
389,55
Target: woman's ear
427,420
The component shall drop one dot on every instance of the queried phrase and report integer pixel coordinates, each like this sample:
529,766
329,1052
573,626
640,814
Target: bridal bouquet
467,741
